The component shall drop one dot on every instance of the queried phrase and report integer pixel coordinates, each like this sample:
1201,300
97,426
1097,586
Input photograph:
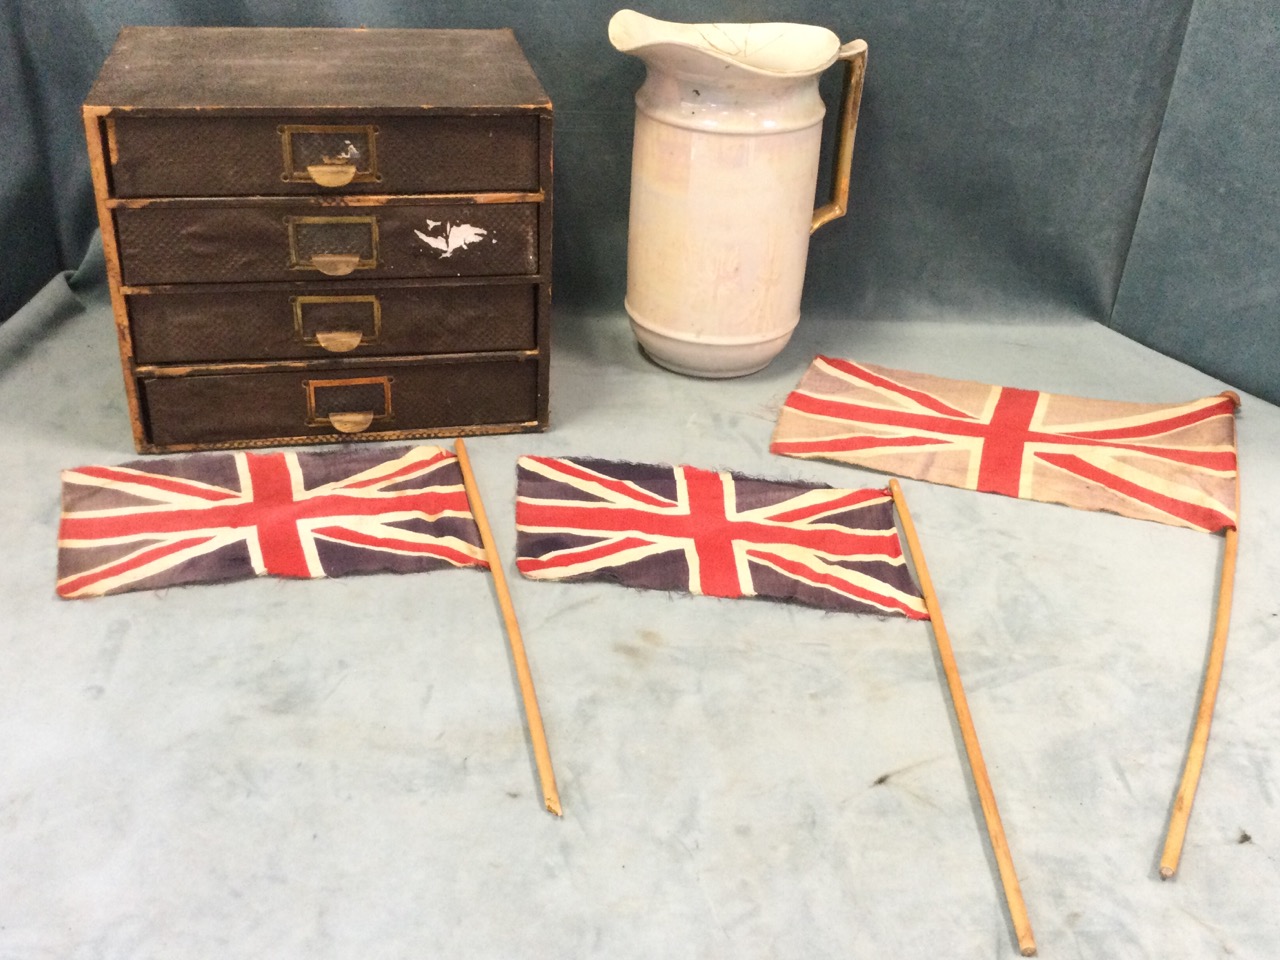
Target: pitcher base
712,360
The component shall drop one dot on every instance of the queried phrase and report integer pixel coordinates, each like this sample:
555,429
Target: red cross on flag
712,533
231,516
1173,463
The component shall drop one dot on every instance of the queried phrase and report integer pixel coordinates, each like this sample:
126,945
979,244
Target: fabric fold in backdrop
714,533
214,517
1172,463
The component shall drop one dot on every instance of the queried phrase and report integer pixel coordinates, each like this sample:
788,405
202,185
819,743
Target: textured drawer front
211,326
234,242
224,408
245,156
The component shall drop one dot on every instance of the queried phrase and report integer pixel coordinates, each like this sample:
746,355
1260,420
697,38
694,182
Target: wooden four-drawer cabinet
324,234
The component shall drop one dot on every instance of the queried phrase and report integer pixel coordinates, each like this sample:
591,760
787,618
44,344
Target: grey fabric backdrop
1202,282
1001,167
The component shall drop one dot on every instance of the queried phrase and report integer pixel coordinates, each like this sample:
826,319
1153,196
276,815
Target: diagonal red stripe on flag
136,560
852,500
1220,407
178,485
433,548
629,490
406,472
1201,517
806,573
926,400
864,442
576,556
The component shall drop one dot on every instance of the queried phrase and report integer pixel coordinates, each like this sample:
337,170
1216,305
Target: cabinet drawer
312,322
225,408
247,241
245,156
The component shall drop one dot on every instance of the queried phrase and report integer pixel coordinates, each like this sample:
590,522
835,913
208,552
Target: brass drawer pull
339,341
335,264
332,174
349,405
351,422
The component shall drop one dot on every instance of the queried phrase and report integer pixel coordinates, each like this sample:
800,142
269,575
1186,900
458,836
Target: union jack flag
713,533
1173,463
232,516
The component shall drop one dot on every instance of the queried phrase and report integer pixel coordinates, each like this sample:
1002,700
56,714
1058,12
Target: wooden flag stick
977,766
1181,812
541,754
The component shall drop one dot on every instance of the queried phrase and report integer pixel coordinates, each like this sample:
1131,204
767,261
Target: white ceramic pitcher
723,173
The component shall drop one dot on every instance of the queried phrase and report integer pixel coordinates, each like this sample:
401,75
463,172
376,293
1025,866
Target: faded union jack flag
231,516
1173,463
714,533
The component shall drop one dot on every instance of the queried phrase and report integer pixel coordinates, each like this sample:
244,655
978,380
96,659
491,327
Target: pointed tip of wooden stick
553,806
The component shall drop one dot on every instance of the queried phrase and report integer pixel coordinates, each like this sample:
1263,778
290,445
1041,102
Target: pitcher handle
855,54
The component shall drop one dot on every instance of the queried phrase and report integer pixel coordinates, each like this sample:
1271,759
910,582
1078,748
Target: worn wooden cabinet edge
380,436
95,134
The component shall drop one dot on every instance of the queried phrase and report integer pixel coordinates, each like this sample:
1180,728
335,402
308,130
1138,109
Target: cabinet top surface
261,69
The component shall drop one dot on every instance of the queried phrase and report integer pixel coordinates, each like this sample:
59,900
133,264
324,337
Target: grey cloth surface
329,769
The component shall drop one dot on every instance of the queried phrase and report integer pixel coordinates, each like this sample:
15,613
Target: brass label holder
347,421
337,341
352,158
332,264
